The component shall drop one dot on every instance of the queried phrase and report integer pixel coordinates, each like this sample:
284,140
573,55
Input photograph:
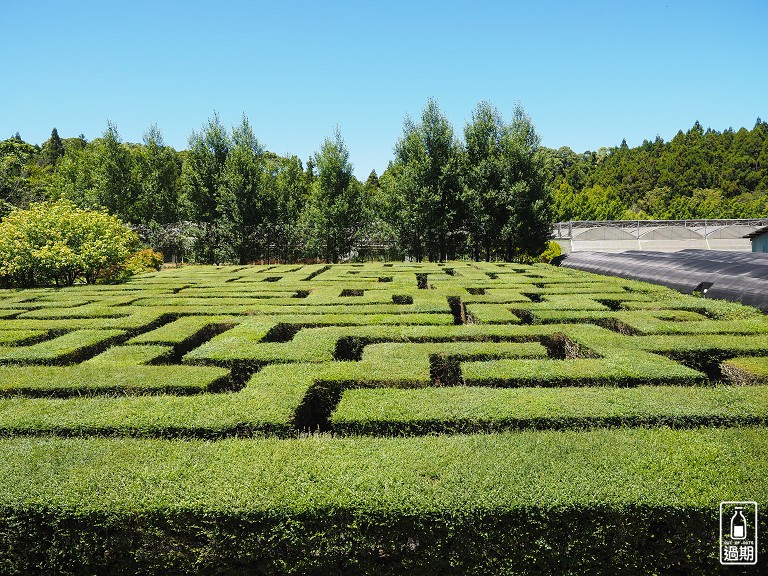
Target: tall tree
335,212
507,185
113,184
291,188
528,229
53,149
157,170
246,200
74,176
22,179
202,176
373,180
428,195
485,194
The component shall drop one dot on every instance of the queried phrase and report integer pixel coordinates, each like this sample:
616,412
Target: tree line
697,174
227,199
488,192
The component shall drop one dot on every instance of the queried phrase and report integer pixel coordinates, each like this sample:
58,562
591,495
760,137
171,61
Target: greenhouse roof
737,276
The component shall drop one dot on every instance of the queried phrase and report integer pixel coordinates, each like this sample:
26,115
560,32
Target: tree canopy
485,192
698,174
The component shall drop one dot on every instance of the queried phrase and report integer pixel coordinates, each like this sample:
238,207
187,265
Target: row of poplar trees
227,199
486,197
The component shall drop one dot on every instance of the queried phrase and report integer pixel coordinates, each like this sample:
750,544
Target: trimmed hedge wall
395,412
481,418
600,502
594,540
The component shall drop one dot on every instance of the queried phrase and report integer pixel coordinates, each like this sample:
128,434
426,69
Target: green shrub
551,252
267,404
746,370
580,385
58,243
16,337
67,348
467,409
140,262
111,375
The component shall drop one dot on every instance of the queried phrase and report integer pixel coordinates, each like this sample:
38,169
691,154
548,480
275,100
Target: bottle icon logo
738,533
738,525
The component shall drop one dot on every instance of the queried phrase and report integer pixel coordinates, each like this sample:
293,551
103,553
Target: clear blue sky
589,73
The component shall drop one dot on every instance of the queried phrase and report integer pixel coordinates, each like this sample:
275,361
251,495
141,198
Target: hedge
324,344
181,329
630,369
404,412
267,404
70,347
182,427
106,377
746,370
601,502
21,336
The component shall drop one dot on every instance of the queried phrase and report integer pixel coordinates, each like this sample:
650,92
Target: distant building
657,235
759,240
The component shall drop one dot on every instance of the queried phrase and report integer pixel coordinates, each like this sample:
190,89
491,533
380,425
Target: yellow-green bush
59,243
141,261
552,251
146,260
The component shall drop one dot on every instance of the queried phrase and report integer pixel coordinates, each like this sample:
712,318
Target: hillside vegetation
697,174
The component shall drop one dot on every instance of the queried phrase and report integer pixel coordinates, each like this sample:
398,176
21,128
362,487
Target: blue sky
588,73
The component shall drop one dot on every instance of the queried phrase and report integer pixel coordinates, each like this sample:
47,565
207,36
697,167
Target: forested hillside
698,174
489,192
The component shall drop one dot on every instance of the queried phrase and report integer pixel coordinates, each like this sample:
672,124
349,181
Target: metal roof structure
736,276
756,233
655,235
602,233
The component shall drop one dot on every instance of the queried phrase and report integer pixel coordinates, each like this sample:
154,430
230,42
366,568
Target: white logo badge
738,533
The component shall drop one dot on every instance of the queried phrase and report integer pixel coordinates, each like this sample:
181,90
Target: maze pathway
375,349
367,371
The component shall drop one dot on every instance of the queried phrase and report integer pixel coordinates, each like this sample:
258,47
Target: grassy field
382,418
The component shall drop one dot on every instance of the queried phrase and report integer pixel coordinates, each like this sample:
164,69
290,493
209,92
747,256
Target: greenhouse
737,276
655,235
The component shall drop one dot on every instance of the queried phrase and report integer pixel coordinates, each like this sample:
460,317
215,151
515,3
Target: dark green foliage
202,176
424,187
527,230
377,543
53,149
246,203
698,174
114,187
22,180
486,195
491,196
334,214
487,199
157,168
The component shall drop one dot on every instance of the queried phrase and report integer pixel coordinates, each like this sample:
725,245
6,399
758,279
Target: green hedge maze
376,418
